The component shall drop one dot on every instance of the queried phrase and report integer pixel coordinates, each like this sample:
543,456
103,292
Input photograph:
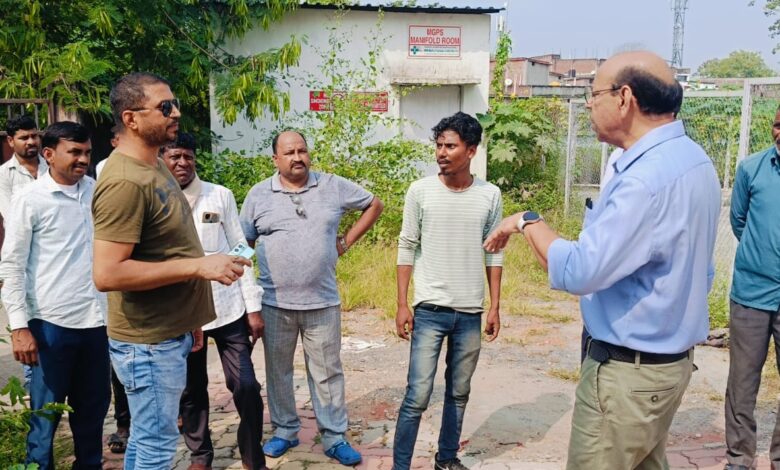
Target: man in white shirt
56,315
25,165
22,168
238,318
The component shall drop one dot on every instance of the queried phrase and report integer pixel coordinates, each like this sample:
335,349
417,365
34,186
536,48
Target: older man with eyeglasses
293,218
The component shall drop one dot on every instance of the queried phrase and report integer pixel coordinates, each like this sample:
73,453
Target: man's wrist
343,244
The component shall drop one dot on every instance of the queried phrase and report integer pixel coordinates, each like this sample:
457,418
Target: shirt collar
41,162
48,182
277,186
655,137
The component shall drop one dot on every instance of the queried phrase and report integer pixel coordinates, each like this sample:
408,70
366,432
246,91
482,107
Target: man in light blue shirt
56,314
755,298
642,264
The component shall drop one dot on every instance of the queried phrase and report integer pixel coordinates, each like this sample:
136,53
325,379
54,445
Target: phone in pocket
210,218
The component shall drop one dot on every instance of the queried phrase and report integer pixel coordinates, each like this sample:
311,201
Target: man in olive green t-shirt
147,253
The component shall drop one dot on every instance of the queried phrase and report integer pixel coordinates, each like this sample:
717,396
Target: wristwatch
529,217
343,244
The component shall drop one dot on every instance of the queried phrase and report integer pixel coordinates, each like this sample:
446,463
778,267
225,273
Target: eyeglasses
165,107
591,94
299,209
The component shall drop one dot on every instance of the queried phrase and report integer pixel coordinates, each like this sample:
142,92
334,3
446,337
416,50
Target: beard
157,136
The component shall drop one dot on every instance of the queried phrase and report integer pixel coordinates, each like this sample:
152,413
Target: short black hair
276,138
64,130
466,126
23,122
653,95
128,93
184,140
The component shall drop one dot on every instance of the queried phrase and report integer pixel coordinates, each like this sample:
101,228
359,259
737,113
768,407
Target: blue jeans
154,376
72,364
431,328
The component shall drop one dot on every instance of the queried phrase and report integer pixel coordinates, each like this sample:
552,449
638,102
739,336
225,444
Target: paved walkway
499,433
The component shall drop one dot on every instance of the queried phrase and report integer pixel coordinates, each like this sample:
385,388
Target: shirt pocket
209,236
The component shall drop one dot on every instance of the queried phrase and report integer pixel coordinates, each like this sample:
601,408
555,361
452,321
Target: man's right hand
24,346
404,322
222,268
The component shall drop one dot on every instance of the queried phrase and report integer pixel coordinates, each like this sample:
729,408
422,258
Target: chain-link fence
729,125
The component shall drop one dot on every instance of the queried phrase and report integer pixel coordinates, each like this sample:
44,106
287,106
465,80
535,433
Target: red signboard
320,101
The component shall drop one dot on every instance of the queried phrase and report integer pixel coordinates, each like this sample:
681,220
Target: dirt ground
518,416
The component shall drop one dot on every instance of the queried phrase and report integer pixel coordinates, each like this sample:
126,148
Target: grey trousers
750,330
320,332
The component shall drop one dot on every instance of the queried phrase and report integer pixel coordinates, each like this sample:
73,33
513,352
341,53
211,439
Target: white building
434,62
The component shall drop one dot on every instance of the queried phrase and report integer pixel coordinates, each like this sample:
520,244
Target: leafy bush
522,138
236,171
14,424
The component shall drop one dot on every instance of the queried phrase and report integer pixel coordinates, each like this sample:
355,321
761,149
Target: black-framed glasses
165,107
299,209
590,94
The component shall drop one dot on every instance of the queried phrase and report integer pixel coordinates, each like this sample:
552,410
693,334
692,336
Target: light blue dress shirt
47,257
643,261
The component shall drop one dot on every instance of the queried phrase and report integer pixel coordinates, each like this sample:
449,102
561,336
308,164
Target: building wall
536,73
398,70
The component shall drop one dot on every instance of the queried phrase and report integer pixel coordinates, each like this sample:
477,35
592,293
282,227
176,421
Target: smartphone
243,250
210,218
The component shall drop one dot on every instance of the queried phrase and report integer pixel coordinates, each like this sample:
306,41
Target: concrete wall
469,71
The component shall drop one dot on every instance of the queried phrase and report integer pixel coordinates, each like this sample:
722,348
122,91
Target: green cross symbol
415,50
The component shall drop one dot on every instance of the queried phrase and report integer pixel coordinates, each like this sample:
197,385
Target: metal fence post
744,126
571,142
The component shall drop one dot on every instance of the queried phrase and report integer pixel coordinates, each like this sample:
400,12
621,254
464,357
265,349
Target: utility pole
678,7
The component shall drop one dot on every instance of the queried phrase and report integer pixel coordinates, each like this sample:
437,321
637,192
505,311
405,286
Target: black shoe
452,464
731,466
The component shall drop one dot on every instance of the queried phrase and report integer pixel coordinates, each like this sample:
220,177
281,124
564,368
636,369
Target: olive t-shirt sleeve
118,211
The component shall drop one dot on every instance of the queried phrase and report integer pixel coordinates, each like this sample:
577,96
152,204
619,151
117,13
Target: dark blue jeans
72,364
462,332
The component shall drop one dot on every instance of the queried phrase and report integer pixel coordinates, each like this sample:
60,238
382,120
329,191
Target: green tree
72,52
739,64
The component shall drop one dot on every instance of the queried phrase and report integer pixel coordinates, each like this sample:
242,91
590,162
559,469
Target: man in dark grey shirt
293,219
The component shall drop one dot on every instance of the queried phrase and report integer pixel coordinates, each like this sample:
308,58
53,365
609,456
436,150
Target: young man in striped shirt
447,217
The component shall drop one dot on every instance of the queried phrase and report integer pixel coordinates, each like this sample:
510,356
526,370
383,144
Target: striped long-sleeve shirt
442,235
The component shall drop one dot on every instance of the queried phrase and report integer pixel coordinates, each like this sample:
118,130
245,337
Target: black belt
601,352
436,308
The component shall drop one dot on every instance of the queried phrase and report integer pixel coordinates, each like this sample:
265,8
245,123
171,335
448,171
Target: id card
242,250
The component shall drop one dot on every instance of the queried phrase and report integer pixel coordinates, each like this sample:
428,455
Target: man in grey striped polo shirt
446,219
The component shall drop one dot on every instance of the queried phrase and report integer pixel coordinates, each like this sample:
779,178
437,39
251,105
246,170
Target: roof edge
402,9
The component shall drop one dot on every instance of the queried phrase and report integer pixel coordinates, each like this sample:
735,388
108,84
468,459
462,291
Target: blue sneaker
277,446
344,453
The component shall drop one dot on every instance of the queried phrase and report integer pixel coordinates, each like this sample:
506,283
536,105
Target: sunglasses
165,107
299,209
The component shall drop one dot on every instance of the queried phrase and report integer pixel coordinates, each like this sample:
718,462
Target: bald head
284,136
651,80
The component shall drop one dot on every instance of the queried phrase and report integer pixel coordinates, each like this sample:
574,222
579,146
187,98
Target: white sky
713,28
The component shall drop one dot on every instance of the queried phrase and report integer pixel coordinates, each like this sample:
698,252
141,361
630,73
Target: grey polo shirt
295,234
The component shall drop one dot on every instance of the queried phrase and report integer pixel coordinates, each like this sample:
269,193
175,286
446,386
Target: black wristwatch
528,218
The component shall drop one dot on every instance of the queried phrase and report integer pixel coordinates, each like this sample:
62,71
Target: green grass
719,303
366,277
571,375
